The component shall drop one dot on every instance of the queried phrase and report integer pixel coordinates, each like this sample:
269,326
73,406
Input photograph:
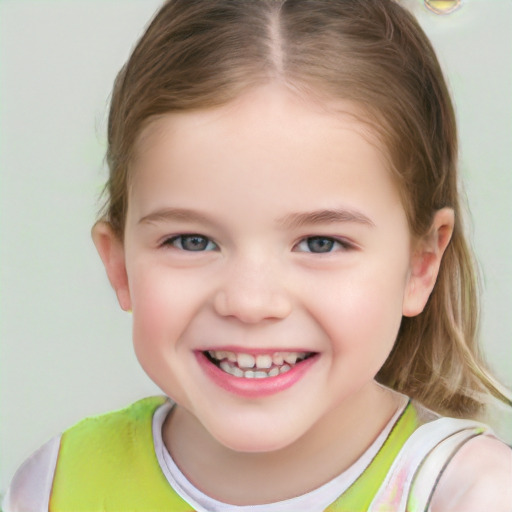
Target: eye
322,244
195,243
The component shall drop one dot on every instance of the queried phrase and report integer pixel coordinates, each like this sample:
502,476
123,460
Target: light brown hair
199,54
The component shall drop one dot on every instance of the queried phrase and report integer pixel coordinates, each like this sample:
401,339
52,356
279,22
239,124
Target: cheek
150,309
161,313
362,315
164,304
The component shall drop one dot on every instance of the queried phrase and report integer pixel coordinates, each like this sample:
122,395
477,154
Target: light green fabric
359,495
108,463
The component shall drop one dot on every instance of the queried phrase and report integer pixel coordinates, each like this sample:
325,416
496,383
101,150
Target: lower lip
255,388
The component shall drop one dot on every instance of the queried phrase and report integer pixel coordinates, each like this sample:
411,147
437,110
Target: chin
255,440
250,445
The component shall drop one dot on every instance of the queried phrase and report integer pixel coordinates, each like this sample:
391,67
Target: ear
111,250
426,261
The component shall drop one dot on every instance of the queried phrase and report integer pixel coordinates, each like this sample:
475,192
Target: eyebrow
291,221
169,214
297,220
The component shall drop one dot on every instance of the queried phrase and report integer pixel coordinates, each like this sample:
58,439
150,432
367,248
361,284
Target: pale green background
65,345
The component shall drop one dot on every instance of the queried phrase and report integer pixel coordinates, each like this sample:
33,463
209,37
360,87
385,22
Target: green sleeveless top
108,463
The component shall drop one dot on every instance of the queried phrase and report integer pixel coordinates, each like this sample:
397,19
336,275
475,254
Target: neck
239,478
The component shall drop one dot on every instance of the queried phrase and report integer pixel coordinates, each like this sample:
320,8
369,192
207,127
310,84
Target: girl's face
259,233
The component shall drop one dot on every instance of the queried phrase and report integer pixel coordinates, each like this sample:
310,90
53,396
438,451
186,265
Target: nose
253,292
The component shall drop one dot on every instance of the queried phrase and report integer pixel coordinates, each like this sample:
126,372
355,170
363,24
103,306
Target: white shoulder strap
414,474
31,486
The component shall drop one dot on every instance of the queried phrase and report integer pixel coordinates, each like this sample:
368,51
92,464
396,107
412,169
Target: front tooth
231,357
246,361
285,368
278,359
291,357
260,375
263,361
249,374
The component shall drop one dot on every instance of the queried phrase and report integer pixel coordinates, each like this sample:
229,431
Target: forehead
268,136
265,105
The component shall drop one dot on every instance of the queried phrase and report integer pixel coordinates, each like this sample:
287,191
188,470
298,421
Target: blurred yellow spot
443,6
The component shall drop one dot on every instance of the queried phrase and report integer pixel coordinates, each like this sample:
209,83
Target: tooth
237,372
277,358
260,375
246,361
285,368
249,374
220,355
263,361
291,357
224,365
231,357
273,372
234,370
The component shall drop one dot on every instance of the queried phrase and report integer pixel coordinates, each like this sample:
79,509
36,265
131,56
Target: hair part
199,54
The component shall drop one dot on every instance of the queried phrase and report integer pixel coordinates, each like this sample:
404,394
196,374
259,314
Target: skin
237,174
478,478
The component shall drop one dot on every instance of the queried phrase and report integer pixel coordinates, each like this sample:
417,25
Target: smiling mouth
260,366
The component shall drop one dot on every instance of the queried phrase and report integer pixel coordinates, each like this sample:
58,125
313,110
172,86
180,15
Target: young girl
283,223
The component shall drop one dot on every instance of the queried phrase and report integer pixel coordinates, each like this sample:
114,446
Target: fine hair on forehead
199,54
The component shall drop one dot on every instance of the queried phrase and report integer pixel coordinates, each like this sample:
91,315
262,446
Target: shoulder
31,485
479,477
77,448
136,415
121,432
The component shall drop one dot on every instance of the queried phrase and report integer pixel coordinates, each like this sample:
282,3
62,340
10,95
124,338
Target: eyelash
341,244
179,240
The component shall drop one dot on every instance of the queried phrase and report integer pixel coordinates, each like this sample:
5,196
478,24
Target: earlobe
111,251
426,261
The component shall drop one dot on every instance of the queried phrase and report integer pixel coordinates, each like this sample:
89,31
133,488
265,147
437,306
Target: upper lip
255,351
